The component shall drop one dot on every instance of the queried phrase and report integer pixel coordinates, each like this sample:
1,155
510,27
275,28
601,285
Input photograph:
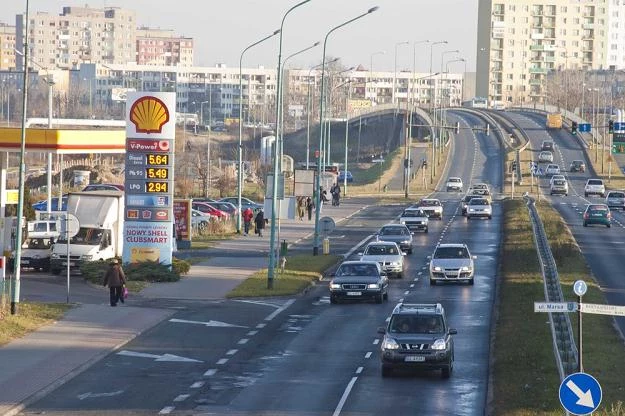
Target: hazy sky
223,28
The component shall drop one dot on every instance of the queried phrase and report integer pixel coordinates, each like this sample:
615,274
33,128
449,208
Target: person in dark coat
259,222
115,279
310,205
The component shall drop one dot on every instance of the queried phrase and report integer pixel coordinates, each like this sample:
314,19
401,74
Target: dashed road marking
251,333
232,352
166,410
197,385
243,341
211,372
359,370
376,341
181,397
368,355
222,361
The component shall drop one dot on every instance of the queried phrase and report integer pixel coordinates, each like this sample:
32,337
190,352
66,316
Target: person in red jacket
248,216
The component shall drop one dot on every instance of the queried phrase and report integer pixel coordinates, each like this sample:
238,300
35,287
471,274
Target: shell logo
149,115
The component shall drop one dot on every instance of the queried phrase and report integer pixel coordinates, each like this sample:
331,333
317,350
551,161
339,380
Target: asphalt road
303,356
602,247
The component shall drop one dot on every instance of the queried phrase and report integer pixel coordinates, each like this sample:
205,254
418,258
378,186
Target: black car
465,202
547,145
417,337
359,280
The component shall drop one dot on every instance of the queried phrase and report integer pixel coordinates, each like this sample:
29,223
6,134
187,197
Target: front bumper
35,263
562,191
454,188
479,213
432,360
433,213
416,225
451,275
61,264
356,294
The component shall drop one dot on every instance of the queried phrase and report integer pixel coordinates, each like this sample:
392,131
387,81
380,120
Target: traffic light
610,126
574,127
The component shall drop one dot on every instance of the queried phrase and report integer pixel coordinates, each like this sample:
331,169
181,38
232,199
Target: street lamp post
318,178
274,190
411,99
371,68
349,97
441,121
433,170
327,145
240,150
405,42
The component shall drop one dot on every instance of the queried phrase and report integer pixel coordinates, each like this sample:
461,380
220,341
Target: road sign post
580,394
580,288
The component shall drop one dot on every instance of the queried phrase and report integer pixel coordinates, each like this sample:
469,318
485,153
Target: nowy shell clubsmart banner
148,211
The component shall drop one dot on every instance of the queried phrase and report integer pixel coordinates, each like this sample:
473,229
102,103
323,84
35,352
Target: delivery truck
100,233
554,121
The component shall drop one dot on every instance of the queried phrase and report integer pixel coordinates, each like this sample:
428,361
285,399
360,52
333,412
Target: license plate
24,261
596,215
354,293
71,263
415,358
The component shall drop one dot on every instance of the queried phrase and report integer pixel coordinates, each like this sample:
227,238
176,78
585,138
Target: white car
559,185
387,254
556,178
594,187
615,200
479,207
552,170
545,156
452,262
432,207
414,219
454,184
479,186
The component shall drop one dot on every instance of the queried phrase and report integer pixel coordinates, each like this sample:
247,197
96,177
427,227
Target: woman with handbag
115,279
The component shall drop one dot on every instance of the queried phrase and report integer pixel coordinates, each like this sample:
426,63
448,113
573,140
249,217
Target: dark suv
417,337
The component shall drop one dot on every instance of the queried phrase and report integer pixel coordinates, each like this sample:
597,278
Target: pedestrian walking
301,207
115,278
336,194
259,222
248,216
310,205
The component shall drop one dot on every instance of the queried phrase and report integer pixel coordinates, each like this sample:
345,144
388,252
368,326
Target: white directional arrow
164,357
94,395
585,399
209,323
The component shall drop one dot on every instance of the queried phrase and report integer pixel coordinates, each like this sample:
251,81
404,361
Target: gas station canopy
64,141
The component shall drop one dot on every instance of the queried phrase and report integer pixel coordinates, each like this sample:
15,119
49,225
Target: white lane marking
260,326
258,302
376,341
401,300
243,341
211,372
412,285
368,355
232,352
353,249
407,292
420,273
251,333
164,357
181,397
209,323
359,370
280,309
197,385
166,410
222,361
348,389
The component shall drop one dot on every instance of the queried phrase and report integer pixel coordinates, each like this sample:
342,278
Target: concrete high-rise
78,35
163,48
7,46
519,42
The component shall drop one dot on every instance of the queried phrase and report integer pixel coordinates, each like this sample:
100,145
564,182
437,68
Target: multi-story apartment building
7,46
79,35
163,48
520,41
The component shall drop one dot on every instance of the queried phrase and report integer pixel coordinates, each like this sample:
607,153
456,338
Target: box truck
100,235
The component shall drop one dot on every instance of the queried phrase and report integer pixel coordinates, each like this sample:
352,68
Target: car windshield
479,201
454,179
595,182
381,250
393,231
413,213
559,182
363,269
597,208
451,253
430,203
577,163
37,243
468,198
616,195
416,324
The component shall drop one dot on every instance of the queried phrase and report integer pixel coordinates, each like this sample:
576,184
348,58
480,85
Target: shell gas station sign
149,219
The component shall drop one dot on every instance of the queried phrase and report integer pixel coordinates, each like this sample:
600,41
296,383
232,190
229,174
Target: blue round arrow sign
580,393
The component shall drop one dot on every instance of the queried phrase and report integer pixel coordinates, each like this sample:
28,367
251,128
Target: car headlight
471,209
86,257
373,286
394,263
437,269
465,269
335,286
389,344
439,344
54,256
406,242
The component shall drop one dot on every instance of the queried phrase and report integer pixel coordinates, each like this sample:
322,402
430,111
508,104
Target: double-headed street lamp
447,72
274,191
326,148
432,103
405,42
240,165
318,177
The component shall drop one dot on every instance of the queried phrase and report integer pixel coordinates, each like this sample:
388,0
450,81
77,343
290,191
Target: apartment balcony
538,36
537,47
538,70
588,26
535,81
550,59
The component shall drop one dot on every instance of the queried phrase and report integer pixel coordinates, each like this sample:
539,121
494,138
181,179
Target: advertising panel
149,216
182,216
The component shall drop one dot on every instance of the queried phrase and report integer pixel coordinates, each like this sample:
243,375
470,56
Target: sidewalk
35,365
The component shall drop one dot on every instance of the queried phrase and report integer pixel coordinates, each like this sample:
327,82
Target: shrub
149,271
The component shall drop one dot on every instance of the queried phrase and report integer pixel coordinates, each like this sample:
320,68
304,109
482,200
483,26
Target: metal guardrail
565,349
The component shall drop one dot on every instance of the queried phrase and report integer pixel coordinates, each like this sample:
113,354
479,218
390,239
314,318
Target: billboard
119,94
182,217
149,216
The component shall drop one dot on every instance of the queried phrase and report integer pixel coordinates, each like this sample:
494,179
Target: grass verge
525,376
300,272
31,316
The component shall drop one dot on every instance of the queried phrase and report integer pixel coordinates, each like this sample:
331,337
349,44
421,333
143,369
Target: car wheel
468,217
386,371
471,281
410,250
585,224
585,194
425,230
386,296
333,300
400,275
608,225
432,282
55,271
379,298
490,217
446,371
